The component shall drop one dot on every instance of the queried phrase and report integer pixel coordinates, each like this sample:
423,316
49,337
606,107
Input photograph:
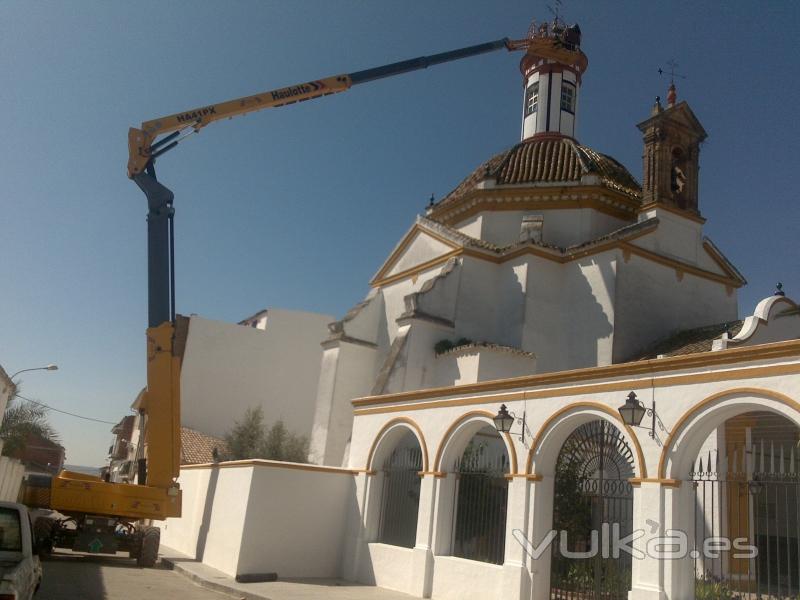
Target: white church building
552,347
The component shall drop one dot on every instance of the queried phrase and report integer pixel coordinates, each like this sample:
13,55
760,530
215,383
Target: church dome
545,160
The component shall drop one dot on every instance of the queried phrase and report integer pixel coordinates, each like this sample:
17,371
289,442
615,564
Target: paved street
70,576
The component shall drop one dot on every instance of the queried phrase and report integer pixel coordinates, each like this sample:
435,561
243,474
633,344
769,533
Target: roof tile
197,447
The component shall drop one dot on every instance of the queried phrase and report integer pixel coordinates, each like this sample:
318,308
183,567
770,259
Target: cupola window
568,97
532,98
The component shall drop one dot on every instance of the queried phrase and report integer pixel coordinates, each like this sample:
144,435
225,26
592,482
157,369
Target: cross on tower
672,74
672,94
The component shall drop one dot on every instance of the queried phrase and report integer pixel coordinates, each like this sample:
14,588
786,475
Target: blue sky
297,207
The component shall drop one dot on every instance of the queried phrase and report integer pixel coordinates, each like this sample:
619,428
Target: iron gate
481,499
748,497
592,489
400,497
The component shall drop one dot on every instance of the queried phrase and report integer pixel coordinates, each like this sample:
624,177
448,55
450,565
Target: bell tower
672,138
551,73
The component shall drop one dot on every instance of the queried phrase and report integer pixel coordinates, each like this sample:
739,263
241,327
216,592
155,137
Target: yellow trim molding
414,271
731,279
616,386
616,204
637,481
674,210
643,367
614,418
413,426
683,420
684,266
412,234
275,464
512,452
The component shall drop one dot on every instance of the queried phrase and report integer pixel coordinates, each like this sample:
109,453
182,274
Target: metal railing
748,497
481,500
400,498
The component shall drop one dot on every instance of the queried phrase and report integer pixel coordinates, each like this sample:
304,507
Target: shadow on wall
357,554
510,307
208,507
586,321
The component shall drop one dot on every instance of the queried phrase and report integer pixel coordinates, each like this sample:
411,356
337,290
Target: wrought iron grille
481,500
592,489
400,498
750,497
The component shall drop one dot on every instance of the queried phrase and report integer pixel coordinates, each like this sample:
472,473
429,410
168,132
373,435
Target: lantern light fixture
504,421
634,410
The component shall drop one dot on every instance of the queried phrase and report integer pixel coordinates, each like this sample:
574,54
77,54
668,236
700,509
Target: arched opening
481,498
400,487
744,536
593,502
678,174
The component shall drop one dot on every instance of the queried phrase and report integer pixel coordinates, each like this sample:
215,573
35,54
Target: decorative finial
429,208
657,108
779,290
672,94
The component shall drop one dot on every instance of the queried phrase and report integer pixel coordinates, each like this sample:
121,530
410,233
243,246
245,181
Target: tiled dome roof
547,160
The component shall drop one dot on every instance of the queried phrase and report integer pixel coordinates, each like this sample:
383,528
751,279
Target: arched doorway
400,493
481,498
593,502
745,532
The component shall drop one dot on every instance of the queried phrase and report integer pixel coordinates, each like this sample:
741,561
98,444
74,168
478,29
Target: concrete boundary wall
261,516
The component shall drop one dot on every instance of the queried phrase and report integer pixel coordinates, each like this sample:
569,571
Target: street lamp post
50,367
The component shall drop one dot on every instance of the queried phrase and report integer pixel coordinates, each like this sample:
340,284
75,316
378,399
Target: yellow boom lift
103,516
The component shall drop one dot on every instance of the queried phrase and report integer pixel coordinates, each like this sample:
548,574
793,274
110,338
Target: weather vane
672,74
555,11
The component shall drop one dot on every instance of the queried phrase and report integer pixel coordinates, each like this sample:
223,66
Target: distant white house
11,469
269,360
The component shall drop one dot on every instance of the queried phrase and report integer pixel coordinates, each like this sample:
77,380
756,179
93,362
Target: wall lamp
634,410
504,420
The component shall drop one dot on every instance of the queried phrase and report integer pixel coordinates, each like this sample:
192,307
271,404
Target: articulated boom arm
166,333
143,147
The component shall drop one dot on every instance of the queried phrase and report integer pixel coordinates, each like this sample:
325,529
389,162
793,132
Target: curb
214,586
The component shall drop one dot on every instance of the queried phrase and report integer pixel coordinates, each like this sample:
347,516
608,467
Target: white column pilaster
541,520
647,581
516,578
422,562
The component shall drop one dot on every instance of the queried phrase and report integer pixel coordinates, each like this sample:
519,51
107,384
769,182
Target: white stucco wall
477,364
295,522
422,248
229,368
459,579
653,302
264,516
212,524
348,371
775,318
561,227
